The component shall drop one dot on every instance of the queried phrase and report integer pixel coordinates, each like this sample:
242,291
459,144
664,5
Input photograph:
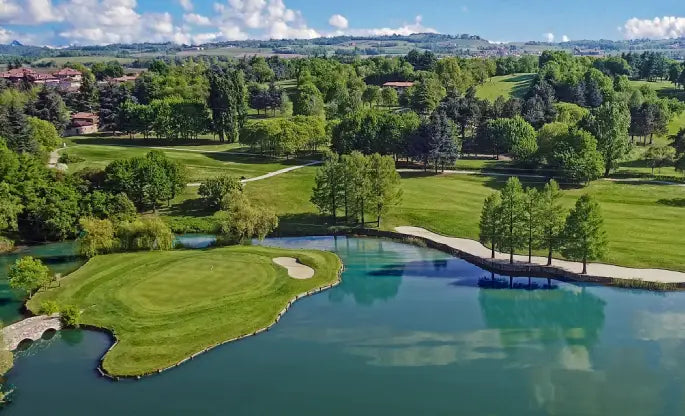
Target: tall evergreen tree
228,102
513,217
87,98
532,213
491,222
384,184
584,235
329,188
18,137
551,219
49,106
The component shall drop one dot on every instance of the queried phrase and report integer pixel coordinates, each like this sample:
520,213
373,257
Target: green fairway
200,163
635,165
166,306
508,86
664,89
645,223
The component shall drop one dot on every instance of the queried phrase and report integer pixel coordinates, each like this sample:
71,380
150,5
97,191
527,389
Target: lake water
409,331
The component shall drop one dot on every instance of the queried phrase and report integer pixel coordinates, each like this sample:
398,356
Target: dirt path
594,269
268,175
53,160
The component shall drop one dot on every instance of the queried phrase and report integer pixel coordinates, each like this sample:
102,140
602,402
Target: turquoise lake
410,331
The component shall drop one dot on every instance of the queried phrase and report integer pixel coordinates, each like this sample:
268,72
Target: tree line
351,187
516,218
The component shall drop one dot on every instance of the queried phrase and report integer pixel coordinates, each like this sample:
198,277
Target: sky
87,22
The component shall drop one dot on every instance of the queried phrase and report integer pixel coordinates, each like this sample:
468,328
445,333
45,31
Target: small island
165,307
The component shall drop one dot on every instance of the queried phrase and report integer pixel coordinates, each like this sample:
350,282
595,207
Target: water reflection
410,331
60,257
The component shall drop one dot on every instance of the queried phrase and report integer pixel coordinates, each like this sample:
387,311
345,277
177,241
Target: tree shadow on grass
254,159
675,202
307,223
196,207
126,141
520,78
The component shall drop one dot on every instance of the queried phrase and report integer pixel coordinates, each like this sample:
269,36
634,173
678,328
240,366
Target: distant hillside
460,45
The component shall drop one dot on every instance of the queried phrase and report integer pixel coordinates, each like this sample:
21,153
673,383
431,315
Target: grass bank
645,222
164,307
507,86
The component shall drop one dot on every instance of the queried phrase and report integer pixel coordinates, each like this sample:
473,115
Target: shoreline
113,377
479,255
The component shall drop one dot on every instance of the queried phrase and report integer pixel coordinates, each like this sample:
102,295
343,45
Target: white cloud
565,39
404,30
549,37
27,12
197,19
338,21
117,21
120,21
187,5
266,19
657,28
6,36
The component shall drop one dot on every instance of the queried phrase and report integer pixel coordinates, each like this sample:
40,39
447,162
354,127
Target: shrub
48,307
70,316
96,238
66,158
185,225
214,190
6,245
149,233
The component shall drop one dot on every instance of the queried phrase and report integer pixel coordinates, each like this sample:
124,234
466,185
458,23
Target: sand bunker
296,270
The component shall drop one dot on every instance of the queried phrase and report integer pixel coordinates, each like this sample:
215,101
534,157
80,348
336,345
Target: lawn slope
507,86
166,306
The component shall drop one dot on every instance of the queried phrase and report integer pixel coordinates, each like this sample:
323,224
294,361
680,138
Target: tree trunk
549,256
493,249
511,255
584,265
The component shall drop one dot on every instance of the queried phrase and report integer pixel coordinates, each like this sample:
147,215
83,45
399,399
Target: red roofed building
82,123
124,79
68,78
18,74
45,79
399,85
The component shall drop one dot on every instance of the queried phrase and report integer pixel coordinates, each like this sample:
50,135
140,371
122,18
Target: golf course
164,307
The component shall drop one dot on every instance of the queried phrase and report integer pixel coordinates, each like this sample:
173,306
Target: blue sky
59,22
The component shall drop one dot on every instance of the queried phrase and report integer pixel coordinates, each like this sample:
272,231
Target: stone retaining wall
499,266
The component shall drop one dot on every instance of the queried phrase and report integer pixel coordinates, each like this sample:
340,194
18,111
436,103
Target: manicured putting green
166,306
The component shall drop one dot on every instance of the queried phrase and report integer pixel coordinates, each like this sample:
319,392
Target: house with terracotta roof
399,85
124,79
69,78
43,79
82,123
18,74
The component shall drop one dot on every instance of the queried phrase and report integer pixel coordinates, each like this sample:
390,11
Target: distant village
66,80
